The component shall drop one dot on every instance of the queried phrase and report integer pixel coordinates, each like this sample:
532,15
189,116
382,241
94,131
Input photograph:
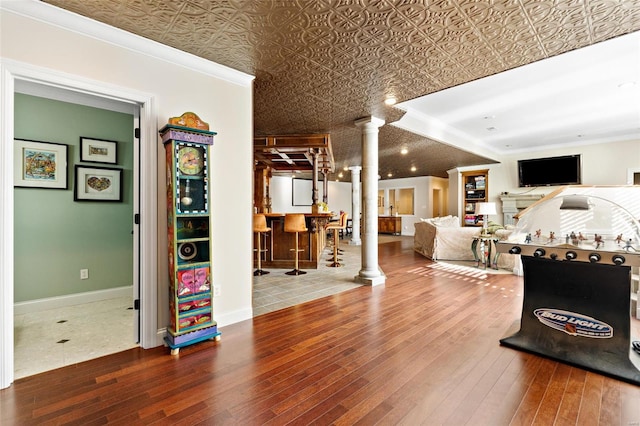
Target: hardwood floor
422,349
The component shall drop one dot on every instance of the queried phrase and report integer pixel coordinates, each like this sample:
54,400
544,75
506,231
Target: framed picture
98,150
40,164
98,184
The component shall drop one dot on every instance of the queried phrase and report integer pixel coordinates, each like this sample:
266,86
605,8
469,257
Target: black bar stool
260,226
295,222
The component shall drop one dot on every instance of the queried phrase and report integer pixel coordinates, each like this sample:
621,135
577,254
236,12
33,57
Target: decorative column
325,186
314,183
355,205
370,274
260,188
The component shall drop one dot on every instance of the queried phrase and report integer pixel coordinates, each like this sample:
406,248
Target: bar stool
260,226
349,229
295,222
342,229
329,231
337,227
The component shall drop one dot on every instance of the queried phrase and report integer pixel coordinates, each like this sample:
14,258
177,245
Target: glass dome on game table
584,222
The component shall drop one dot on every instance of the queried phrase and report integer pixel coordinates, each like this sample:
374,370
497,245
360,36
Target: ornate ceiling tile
321,64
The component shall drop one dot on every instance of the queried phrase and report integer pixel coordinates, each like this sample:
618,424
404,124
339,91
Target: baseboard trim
234,317
38,305
222,320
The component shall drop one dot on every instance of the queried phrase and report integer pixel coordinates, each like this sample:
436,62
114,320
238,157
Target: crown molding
70,21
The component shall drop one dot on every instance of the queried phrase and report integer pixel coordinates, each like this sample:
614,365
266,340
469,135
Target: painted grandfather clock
186,140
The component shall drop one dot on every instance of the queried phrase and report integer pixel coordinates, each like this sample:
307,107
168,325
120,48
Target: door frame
631,172
12,71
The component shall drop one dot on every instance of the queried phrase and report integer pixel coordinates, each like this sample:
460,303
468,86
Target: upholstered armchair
442,238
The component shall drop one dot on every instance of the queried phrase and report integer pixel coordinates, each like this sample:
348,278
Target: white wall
340,197
281,187
437,183
225,104
602,164
422,193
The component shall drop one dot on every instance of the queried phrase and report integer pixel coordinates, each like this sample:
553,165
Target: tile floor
277,290
55,338
58,337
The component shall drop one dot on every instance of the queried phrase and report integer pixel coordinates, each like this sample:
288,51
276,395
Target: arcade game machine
579,254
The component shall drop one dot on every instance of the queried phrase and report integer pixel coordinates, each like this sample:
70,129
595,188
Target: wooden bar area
278,244
308,154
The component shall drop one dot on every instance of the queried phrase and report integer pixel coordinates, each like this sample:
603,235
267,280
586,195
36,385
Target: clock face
190,160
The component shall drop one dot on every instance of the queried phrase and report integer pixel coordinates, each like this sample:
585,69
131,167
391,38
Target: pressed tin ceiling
320,65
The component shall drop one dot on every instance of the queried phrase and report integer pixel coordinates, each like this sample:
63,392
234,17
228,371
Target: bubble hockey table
576,309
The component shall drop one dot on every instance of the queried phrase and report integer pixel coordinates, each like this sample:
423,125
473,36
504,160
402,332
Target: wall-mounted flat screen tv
563,170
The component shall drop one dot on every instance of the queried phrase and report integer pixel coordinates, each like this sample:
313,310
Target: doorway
146,207
436,197
633,176
84,249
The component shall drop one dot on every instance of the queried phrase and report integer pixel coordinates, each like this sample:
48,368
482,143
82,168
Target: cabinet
389,225
475,189
189,237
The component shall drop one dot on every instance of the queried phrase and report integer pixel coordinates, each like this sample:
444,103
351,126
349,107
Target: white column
370,274
355,205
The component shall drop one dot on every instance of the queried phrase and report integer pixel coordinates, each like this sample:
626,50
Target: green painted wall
55,236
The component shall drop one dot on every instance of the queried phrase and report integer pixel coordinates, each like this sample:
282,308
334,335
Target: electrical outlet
216,290
84,274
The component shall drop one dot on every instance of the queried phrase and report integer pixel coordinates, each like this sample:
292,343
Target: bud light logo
573,323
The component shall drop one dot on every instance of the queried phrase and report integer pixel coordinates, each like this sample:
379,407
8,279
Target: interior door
437,209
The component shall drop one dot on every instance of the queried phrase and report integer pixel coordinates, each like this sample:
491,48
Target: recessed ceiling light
489,117
390,100
492,129
404,151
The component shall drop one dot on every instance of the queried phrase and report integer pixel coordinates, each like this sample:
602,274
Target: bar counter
279,243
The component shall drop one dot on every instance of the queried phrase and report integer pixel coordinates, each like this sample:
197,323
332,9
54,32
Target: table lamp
484,210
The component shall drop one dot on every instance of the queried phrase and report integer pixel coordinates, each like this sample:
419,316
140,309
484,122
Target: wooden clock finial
189,119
